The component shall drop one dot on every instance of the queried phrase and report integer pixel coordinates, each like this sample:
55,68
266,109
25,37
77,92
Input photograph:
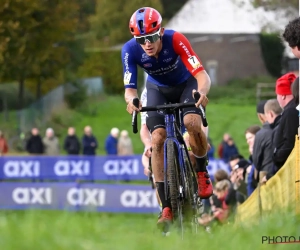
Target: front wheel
175,189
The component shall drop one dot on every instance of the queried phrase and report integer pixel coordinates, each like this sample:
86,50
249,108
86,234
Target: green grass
107,112
43,230
231,109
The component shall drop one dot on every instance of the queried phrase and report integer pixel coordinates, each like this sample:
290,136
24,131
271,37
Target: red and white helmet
144,21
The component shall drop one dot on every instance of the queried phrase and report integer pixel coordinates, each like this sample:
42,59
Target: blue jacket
88,149
111,145
229,151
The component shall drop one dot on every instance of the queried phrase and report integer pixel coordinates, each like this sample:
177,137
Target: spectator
125,144
262,148
3,144
229,149
220,209
251,172
273,115
71,144
284,138
291,35
89,142
220,175
239,177
51,143
226,136
235,161
234,196
35,144
111,142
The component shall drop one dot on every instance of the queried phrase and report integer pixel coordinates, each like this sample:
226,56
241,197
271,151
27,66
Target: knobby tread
173,176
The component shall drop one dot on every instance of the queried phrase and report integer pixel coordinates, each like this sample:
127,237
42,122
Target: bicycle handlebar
167,106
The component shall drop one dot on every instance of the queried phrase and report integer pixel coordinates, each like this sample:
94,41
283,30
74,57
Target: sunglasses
148,38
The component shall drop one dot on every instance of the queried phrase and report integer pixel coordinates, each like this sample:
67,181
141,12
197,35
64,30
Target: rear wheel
191,191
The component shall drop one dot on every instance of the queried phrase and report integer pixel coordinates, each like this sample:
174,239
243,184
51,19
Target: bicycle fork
170,128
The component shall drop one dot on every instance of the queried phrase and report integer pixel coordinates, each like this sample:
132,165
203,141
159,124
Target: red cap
283,84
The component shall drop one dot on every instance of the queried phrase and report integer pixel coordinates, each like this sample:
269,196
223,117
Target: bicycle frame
173,120
172,134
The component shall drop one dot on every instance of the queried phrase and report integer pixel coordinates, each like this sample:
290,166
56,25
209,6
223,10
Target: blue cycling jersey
176,61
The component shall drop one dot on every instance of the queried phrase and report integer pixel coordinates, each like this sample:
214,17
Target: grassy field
105,112
110,111
45,230
231,109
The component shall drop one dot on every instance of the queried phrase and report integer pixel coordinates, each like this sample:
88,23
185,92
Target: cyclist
174,73
146,138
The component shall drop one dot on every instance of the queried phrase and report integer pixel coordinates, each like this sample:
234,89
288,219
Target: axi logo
21,168
134,198
121,167
86,196
65,168
32,196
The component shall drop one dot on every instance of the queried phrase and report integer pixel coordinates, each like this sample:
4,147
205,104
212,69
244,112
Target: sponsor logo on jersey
126,61
185,49
147,65
167,60
165,52
145,57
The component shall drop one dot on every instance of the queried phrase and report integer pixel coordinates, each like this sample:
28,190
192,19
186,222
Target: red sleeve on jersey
184,49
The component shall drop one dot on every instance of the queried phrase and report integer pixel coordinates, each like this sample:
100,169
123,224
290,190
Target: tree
110,24
109,27
86,8
37,35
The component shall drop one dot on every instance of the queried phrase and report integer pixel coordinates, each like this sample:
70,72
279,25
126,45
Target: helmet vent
154,24
141,26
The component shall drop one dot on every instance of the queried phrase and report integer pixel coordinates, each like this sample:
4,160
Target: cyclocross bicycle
182,188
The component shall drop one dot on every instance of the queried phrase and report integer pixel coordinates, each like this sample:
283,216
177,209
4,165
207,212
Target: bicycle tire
174,182
191,191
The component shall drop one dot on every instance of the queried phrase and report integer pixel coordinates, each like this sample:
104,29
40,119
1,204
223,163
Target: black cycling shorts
161,95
